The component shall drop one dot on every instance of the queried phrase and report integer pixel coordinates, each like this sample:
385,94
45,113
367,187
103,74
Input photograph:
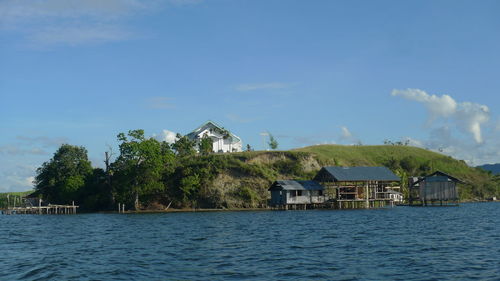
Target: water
435,243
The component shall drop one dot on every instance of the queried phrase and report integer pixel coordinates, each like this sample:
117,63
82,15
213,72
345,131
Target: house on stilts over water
437,188
291,194
338,188
358,187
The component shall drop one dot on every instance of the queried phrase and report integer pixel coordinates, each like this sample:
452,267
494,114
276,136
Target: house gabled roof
296,185
209,123
338,174
439,174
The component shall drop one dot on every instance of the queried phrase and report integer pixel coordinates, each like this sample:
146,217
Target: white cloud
413,142
76,22
239,119
43,140
167,136
261,86
472,116
17,178
345,132
160,103
16,150
347,137
79,35
468,116
443,106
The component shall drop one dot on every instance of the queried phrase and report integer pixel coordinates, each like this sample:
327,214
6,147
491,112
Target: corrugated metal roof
360,174
439,176
296,185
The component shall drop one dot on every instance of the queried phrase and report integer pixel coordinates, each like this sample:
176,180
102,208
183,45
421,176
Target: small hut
437,188
296,194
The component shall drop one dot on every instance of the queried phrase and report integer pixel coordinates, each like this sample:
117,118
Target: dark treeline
146,173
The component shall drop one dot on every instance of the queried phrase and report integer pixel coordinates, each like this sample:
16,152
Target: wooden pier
41,210
339,205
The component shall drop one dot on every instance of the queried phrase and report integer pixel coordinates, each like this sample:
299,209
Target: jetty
41,210
33,206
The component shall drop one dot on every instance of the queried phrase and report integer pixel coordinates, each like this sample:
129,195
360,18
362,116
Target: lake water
403,243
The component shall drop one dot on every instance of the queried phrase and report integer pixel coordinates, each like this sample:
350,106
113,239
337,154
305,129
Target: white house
223,140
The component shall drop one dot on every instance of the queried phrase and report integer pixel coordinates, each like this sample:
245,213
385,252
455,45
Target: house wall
307,197
219,143
277,197
438,190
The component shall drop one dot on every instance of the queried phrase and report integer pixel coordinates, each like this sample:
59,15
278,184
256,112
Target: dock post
367,196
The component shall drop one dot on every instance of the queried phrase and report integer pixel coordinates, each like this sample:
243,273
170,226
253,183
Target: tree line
146,172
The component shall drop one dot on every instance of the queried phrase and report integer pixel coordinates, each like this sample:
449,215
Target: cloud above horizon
468,116
76,22
160,103
167,136
261,86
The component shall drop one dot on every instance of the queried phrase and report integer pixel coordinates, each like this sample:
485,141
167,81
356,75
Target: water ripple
390,244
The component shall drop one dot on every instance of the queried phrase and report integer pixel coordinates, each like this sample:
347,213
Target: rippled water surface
403,243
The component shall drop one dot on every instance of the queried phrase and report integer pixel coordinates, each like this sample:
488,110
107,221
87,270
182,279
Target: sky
308,72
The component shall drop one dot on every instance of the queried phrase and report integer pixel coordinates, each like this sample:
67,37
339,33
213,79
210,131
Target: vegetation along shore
150,175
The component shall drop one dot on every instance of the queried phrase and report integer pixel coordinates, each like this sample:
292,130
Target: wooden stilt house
357,185
437,188
291,194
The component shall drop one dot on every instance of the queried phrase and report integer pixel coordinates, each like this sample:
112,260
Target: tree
183,146
140,167
273,143
249,148
206,145
61,179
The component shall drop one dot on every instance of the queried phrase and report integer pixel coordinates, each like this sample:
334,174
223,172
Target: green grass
478,183
12,195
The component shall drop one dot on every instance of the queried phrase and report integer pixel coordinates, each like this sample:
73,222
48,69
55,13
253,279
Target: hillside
493,168
242,179
409,161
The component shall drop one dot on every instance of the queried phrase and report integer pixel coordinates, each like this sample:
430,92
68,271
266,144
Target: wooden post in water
367,196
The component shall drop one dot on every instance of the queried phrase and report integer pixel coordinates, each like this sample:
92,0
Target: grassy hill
239,180
409,161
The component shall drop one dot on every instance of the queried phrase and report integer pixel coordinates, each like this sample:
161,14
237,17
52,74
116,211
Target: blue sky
309,72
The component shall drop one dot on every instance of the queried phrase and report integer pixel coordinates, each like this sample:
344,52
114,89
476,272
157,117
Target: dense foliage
152,174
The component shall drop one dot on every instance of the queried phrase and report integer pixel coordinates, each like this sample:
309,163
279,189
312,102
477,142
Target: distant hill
494,168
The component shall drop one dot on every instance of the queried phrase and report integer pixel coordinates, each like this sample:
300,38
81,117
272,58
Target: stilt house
357,183
437,188
296,193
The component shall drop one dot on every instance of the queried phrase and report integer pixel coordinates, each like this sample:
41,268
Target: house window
299,192
320,192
